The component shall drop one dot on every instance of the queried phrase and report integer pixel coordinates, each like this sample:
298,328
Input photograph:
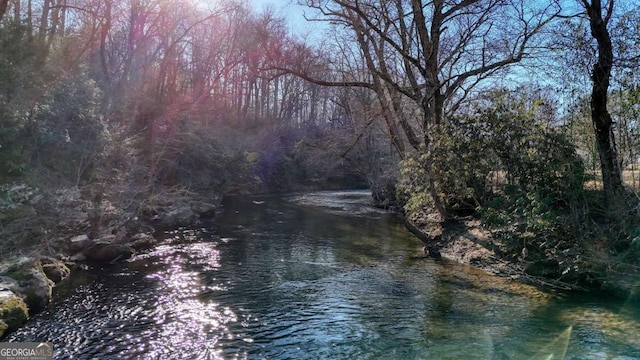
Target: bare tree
425,56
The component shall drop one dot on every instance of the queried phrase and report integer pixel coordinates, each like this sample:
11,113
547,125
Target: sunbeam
556,349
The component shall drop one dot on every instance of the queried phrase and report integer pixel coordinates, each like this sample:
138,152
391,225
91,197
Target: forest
523,115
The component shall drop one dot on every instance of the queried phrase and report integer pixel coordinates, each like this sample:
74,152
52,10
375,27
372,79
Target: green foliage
22,64
544,175
463,160
46,119
501,163
413,187
533,156
69,133
457,167
22,79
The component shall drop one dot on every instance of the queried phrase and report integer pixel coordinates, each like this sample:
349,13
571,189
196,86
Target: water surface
318,276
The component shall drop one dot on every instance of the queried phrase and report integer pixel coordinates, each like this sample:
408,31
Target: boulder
108,253
78,257
142,241
13,311
80,243
204,209
26,278
179,216
134,225
107,239
55,270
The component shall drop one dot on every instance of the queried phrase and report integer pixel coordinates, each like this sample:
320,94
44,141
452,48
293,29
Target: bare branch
305,76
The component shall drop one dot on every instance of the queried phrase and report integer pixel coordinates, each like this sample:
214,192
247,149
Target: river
317,276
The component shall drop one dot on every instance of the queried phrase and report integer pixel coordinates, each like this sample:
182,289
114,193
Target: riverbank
567,266
84,227
46,234
316,275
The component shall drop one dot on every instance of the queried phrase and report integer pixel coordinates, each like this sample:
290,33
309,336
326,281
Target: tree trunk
16,10
29,19
602,122
44,21
105,28
63,17
4,4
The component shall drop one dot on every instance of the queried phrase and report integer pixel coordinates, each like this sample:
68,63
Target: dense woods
140,73
523,114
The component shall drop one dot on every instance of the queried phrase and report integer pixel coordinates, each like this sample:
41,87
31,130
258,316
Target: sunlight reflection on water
299,278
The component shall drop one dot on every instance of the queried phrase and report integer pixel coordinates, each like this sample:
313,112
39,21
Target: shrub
544,175
69,133
541,172
22,83
46,118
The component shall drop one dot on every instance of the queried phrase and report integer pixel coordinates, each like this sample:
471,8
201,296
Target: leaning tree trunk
602,123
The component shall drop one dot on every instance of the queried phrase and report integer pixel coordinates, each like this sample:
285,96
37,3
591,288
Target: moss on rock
55,270
30,282
13,312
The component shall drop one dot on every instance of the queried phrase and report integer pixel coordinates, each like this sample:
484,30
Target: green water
318,276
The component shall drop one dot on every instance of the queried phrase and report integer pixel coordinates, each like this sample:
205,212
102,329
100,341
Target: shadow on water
318,276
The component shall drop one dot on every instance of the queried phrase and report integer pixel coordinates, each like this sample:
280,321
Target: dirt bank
564,266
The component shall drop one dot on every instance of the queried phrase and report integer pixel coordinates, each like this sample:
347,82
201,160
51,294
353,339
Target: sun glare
202,5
